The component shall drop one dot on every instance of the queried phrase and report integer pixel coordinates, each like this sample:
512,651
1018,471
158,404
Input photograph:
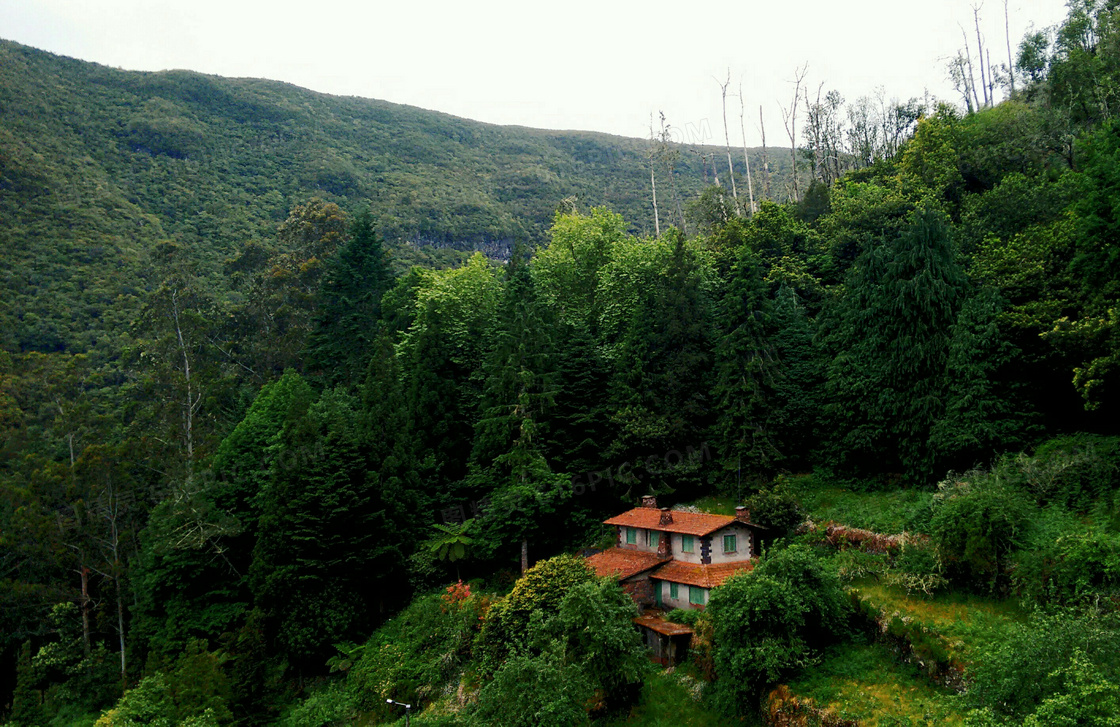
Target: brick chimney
649,501
742,514
666,516
665,545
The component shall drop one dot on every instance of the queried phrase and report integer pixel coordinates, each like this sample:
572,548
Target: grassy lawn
963,618
882,511
668,701
862,681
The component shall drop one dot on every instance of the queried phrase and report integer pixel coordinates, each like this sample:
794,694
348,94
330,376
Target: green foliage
450,541
325,532
772,621
776,508
155,703
891,336
413,655
540,590
1021,673
323,707
681,616
1070,565
978,522
535,691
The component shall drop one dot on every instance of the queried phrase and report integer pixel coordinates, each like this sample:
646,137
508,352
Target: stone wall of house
640,589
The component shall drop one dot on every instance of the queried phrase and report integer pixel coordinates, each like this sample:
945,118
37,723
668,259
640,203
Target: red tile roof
622,563
688,523
662,626
705,576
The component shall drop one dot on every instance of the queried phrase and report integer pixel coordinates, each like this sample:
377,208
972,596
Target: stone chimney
666,516
742,514
649,501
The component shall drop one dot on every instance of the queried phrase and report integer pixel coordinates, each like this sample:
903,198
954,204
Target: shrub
151,704
541,589
977,523
773,620
1075,566
681,616
1030,664
776,508
535,691
413,656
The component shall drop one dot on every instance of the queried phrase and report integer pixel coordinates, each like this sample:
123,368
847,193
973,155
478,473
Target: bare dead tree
746,158
985,85
971,76
789,120
727,141
669,156
765,157
110,545
1007,37
653,178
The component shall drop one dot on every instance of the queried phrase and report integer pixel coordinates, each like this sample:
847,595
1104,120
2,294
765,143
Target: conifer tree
984,414
795,410
890,342
745,370
349,309
327,549
509,445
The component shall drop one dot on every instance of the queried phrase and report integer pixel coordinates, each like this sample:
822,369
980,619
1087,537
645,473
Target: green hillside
98,164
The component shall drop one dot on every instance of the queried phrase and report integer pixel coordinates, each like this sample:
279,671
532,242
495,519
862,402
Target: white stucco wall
744,546
681,601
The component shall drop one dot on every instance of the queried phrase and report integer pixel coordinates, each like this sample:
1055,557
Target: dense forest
293,388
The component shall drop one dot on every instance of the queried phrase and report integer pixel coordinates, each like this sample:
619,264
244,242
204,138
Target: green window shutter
729,544
686,543
674,590
651,538
631,536
696,596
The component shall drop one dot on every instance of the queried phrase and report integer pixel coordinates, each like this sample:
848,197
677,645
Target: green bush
1073,471
541,589
1076,565
535,691
413,656
681,616
776,508
1030,664
978,521
773,620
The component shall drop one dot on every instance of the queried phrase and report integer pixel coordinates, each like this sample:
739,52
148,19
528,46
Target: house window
686,543
674,590
696,596
651,538
631,536
729,544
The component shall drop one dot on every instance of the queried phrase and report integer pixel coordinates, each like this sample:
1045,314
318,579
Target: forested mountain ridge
245,503
99,164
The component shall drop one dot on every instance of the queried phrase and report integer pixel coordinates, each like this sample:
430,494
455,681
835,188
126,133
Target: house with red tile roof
674,558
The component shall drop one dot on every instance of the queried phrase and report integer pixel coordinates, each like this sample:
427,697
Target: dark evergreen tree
328,555
745,372
795,405
508,461
662,385
984,410
890,341
349,312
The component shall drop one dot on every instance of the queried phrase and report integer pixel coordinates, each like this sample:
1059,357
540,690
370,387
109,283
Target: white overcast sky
578,64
